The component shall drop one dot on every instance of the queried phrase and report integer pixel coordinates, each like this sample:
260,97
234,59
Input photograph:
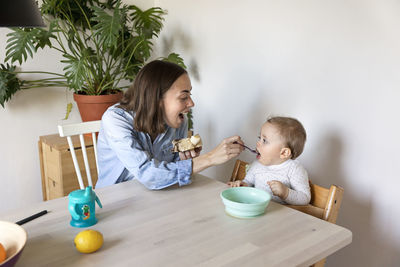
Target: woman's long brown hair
145,95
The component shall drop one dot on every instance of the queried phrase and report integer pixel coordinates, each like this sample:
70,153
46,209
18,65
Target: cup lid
82,195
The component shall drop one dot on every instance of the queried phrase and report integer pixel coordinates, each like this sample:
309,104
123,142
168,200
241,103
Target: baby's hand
237,183
278,189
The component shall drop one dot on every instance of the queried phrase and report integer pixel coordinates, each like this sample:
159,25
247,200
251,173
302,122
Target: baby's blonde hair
292,132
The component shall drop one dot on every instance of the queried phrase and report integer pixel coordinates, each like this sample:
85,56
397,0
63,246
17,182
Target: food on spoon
185,144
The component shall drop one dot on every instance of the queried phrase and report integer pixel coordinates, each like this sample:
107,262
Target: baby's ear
286,153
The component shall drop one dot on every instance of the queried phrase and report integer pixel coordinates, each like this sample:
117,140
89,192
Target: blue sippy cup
82,207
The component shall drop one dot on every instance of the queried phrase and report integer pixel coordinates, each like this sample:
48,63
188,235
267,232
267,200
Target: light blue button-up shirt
125,153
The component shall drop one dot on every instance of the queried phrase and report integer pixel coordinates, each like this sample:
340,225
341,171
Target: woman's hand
221,154
279,189
190,154
226,150
237,183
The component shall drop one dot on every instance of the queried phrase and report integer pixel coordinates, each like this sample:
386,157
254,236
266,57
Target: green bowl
245,202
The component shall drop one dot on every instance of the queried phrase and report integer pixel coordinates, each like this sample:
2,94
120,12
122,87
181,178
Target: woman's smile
181,117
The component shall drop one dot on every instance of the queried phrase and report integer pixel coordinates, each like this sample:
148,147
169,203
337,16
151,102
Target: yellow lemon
88,241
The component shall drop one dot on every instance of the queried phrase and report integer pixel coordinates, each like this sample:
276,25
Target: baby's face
270,145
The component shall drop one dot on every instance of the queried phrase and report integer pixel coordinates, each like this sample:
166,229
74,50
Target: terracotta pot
92,107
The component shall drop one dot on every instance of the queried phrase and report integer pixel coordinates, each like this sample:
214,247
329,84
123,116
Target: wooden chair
81,129
325,202
239,170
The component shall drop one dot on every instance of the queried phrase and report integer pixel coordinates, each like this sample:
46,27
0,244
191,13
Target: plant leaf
42,39
108,26
103,43
20,43
136,51
148,22
175,58
143,48
73,10
74,71
69,108
9,83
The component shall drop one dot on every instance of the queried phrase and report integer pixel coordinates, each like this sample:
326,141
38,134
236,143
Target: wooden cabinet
57,169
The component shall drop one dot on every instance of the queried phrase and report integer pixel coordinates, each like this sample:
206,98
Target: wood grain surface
178,226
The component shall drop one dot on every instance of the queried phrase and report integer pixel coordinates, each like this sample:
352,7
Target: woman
135,138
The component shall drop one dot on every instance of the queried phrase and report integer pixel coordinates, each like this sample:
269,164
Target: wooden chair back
239,170
81,129
325,202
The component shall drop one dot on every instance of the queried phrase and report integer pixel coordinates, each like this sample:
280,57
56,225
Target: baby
280,142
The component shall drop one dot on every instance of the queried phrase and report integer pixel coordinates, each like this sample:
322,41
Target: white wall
332,64
29,114
335,66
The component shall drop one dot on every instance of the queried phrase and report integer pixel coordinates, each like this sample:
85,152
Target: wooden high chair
325,202
81,129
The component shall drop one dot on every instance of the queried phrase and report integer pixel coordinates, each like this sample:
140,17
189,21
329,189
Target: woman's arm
225,151
126,146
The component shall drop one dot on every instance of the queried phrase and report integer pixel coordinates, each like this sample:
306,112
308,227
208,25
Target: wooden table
184,226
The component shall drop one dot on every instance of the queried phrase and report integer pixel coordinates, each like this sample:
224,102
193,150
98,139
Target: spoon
251,150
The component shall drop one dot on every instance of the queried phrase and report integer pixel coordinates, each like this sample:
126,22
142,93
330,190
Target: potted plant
103,44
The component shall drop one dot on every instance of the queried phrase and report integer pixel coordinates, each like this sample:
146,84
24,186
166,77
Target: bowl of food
245,202
12,239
